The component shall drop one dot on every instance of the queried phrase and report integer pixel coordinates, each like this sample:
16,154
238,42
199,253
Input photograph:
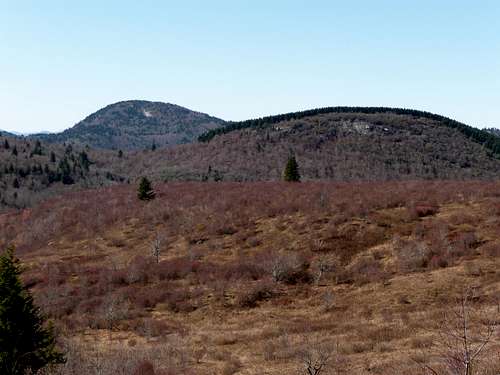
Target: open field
254,278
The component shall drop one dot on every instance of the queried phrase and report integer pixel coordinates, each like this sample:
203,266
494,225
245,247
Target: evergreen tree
84,161
38,149
14,151
120,153
6,144
52,157
291,172
145,191
65,172
26,345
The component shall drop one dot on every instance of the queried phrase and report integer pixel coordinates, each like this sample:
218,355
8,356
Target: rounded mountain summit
138,124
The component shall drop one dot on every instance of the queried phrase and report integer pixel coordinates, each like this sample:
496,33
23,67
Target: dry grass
390,268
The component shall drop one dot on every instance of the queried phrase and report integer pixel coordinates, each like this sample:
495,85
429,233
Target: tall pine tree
26,343
291,172
145,191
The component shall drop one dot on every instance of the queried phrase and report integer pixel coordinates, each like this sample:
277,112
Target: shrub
491,249
424,209
410,255
289,269
259,292
144,368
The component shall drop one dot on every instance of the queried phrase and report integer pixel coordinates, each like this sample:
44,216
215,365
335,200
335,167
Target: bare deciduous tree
315,359
156,247
322,265
463,339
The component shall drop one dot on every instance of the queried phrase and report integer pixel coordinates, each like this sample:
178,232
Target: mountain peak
137,124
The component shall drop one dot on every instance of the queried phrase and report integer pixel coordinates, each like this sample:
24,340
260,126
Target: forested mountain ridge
333,145
136,125
489,139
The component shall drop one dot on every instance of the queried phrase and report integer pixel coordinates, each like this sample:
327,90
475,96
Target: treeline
488,140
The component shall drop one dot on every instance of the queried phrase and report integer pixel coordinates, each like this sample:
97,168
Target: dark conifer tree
26,343
65,172
145,191
84,160
291,172
38,148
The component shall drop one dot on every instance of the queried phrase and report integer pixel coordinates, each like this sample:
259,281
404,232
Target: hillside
136,124
360,144
31,170
5,133
353,145
485,138
494,131
257,278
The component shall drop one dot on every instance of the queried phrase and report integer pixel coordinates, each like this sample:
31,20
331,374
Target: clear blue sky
62,60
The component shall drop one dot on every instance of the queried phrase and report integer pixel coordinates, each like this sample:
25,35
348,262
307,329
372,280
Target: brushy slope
252,276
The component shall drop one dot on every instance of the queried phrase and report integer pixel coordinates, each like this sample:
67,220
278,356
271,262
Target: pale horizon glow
245,59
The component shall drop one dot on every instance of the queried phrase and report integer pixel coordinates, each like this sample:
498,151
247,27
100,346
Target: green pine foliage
145,191
27,344
291,172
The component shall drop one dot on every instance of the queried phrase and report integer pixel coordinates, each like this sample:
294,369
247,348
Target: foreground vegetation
227,278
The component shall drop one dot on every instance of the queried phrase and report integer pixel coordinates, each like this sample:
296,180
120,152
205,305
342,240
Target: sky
63,60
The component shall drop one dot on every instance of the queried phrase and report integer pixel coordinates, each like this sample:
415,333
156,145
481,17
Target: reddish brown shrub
144,368
174,269
258,292
491,249
365,270
411,255
424,209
